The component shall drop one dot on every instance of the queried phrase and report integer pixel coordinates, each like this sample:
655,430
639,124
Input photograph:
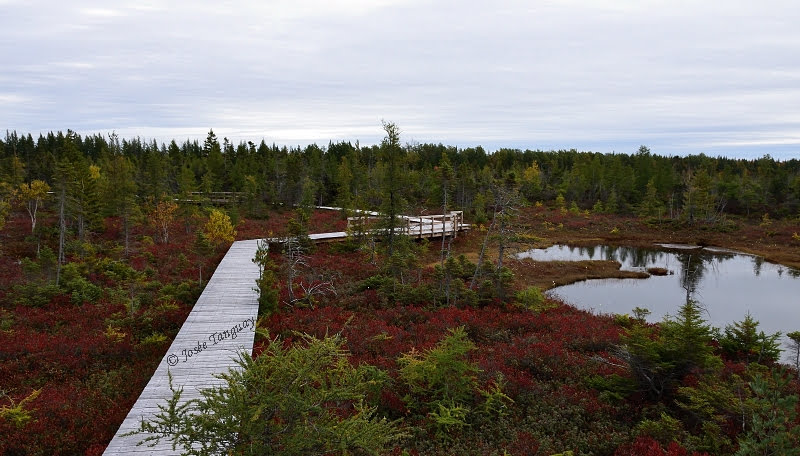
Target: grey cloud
682,77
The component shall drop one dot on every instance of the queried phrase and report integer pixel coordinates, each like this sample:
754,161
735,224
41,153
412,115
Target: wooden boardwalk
415,226
229,301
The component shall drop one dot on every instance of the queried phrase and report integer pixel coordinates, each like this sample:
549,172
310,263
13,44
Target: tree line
108,175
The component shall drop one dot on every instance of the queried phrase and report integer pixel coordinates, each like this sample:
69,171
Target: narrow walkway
228,303
419,230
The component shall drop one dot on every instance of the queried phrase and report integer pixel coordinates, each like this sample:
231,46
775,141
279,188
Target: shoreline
775,244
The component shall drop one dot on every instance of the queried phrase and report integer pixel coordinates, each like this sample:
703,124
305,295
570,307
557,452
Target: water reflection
757,262
629,257
727,284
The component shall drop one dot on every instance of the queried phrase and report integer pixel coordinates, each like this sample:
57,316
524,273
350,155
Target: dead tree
503,229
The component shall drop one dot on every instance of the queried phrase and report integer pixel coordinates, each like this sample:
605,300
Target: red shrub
646,446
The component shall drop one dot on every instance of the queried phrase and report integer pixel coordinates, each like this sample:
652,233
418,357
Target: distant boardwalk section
415,226
220,325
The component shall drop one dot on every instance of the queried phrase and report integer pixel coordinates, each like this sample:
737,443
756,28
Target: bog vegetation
379,344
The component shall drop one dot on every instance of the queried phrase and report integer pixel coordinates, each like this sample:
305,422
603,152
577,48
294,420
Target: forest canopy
695,188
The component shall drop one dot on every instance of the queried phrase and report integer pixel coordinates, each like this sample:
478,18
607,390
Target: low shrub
533,299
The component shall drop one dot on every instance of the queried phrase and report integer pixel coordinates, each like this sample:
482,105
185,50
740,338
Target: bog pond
726,284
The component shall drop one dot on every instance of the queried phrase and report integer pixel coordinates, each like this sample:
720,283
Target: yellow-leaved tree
7,193
162,217
219,229
31,197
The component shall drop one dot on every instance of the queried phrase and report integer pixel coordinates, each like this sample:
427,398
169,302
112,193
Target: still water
726,284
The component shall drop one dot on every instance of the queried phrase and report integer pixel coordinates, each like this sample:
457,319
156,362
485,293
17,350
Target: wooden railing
420,226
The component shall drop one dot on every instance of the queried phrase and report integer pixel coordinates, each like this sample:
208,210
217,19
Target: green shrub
30,268
772,425
375,282
77,286
267,287
392,290
443,373
449,420
725,226
613,388
495,402
288,401
151,259
533,299
18,414
112,384
714,401
623,320
116,271
347,246
665,429
34,294
6,320
155,338
185,292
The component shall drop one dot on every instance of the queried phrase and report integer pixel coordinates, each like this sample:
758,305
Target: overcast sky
722,78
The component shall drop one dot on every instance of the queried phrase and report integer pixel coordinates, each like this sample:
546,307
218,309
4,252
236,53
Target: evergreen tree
87,199
215,163
743,341
698,200
651,205
794,347
118,188
688,339
251,190
393,202
772,423
659,360
446,175
187,182
14,174
612,202
344,181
